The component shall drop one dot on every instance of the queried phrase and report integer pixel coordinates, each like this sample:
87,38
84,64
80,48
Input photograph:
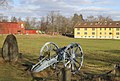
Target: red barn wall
11,28
15,28
30,31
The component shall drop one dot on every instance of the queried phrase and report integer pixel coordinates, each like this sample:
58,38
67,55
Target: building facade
11,28
15,28
31,31
100,30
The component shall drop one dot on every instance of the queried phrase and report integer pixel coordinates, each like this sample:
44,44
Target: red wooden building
14,28
30,31
11,27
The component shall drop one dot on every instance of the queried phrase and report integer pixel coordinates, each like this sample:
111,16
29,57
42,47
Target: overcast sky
38,8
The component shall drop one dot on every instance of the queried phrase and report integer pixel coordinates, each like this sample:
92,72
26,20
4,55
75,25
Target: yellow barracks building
98,30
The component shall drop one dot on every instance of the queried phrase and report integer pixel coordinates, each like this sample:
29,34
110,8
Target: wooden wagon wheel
73,57
47,52
10,49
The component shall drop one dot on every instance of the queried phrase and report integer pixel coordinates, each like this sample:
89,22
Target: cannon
51,55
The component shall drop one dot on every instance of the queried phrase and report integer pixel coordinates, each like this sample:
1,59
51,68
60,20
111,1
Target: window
85,33
105,33
78,28
110,33
117,29
93,33
117,33
93,29
109,28
85,28
78,33
100,33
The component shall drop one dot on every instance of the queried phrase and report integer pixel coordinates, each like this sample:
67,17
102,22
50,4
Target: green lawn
100,55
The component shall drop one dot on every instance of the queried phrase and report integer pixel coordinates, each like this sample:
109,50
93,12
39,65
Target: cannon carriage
51,55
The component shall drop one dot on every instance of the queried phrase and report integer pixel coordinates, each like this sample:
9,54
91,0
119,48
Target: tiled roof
106,24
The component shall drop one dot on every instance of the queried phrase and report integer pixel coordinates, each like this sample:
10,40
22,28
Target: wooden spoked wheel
48,50
73,57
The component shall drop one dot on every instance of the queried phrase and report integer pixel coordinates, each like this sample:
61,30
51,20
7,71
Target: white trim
102,37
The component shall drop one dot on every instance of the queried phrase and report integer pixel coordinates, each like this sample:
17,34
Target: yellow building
100,30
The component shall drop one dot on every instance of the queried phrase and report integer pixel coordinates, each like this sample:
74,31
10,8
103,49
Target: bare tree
27,23
3,3
98,18
90,18
51,21
51,18
3,18
55,22
6,4
19,19
33,22
44,24
102,18
13,19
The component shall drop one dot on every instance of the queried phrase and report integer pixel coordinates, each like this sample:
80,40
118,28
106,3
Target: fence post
65,74
117,70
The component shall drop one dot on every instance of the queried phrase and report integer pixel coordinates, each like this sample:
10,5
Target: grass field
100,55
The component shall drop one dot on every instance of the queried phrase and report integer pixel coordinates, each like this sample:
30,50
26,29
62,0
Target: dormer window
117,23
110,23
85,23
91,23
98,22
105,23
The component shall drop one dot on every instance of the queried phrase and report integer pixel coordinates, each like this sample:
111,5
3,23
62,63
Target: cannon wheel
73,57
48,50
